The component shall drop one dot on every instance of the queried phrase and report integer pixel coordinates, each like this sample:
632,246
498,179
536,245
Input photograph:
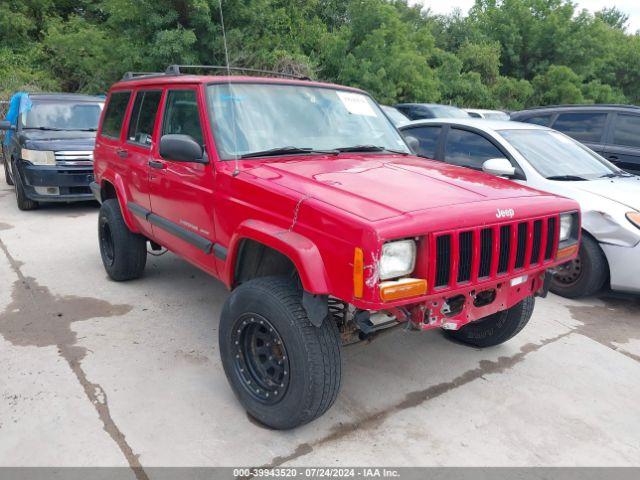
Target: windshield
443,111
553,154
395,116
52,115
253,118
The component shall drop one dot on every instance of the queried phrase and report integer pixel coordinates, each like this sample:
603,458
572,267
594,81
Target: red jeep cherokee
304,200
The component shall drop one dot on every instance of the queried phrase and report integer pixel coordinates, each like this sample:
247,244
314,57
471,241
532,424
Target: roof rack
177,70
134,75
586,105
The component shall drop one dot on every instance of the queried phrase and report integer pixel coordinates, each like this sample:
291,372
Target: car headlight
566,226
634,217
398,259
38,157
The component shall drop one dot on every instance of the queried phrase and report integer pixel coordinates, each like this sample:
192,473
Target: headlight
634,217
38,157
398,259
566,226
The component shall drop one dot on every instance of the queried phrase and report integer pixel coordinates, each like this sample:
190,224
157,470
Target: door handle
156,164
122,153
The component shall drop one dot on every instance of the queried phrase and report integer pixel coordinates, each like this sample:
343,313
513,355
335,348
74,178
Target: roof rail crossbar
177,70
132,75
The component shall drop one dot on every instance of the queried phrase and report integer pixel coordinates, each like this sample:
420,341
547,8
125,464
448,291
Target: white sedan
548,160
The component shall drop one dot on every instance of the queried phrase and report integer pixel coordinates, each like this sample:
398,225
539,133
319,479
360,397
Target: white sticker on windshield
356,104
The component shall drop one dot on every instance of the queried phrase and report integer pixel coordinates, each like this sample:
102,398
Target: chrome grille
74,157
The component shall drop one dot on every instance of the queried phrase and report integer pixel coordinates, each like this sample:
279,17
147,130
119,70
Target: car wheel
583,276
124,253
284,370
7,173
24,202
497,328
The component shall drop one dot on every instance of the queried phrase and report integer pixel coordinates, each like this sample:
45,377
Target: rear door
182,193
587,127
623,142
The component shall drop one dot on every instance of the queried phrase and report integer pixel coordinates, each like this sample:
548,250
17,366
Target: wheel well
606,260
108,191
258,260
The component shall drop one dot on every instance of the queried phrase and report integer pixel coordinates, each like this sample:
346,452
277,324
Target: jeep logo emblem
508,213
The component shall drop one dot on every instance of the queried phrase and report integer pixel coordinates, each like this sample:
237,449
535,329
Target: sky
630,7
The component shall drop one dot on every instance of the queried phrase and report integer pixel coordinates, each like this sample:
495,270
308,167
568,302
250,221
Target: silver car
548,160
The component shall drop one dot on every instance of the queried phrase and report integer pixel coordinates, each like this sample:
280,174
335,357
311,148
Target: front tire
24,202
583,276
497,328
285,371
124,253
7,173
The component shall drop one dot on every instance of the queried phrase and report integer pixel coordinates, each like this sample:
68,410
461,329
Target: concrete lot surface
96,373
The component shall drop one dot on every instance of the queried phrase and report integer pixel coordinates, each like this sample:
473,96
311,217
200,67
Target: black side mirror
6,125
181,148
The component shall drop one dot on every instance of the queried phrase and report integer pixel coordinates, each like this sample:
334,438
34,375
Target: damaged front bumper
452,310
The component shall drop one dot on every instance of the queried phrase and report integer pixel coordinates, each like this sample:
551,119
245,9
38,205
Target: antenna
236,170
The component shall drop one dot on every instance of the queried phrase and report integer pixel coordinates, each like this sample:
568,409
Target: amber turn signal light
358,273
405,288
567,252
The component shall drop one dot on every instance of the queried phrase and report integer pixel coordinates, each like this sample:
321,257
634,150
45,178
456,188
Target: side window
584,127
627,131
542,120
469,149
113,117
426,140
143,116
181,114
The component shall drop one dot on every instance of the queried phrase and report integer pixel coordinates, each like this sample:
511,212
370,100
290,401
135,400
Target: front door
182,193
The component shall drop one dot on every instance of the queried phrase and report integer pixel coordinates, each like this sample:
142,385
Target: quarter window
542,120
143,117
627,131
181,115
426,140
469,149
584,127
114,115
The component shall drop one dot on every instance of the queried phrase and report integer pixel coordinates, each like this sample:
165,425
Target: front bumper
623,267
52,183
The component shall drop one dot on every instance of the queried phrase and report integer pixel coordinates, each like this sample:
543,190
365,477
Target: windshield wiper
46,128
567,178
370,148
286,151
616,175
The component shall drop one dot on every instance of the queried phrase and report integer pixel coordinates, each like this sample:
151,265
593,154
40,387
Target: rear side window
469,149
542,120
627,131
181,115
143,116
584,127
427,140
114,115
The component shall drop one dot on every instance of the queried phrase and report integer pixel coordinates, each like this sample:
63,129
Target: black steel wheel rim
260,358
106,242
570,273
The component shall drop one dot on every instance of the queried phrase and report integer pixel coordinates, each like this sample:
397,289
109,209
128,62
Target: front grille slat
483,253
505,248
465,244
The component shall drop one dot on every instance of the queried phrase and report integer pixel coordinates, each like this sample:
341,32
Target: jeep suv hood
624,190
376,187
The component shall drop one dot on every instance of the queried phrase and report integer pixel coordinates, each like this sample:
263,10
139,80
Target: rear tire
285,371
497,328
24,202
583,276
124,253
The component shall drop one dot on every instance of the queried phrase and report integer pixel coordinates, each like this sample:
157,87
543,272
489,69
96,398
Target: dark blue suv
48,147
613,131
